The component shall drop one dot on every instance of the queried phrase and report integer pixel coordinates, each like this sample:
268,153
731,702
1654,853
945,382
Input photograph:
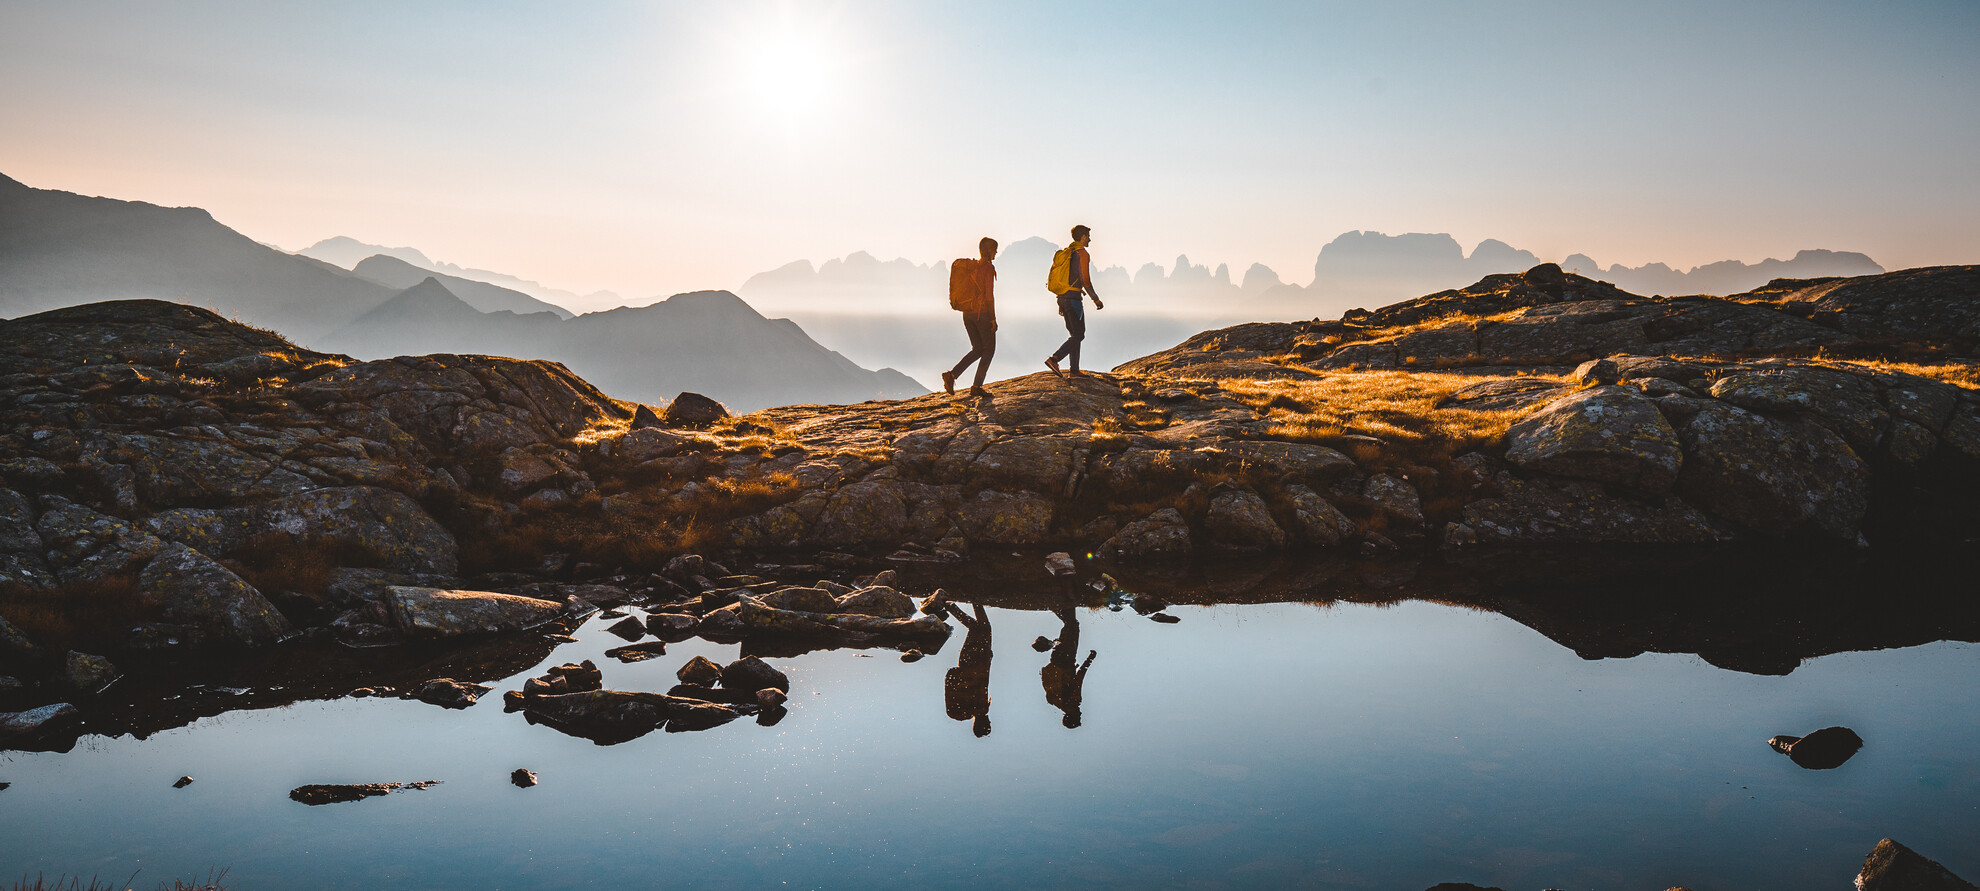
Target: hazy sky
657,147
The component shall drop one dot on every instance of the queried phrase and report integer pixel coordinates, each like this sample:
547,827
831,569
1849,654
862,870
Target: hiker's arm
1086,278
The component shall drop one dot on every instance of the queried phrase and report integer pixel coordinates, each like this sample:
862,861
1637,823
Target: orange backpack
963,287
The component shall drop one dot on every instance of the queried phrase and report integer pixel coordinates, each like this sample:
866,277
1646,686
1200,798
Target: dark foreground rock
1894,867
1824,749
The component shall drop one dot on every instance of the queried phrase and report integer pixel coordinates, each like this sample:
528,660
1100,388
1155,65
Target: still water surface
1266,745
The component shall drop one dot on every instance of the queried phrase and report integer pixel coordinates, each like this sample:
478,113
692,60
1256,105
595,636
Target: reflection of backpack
963,286
1061,278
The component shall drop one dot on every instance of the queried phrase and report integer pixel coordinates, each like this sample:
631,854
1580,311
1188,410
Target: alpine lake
1562,720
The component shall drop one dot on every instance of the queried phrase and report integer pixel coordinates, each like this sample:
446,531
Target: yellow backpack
1065,274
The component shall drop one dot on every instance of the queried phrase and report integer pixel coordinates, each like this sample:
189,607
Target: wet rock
700,671
773,697
192,589
693,410
87,673
881,601
752,674
639,652
182,782
1824,749
1393,498
628,628
447,693
1060,563
1608,434
1239,520
1148,603
933,603
606,717
686,715
1165,618
1041,643
19,725
1894,867
545,687
1777,477
1160,534
1315,520
671,626
578,677
522,777
326,793
432,612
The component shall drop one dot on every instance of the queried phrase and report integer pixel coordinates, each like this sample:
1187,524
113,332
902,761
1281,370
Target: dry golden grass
1965,375
1399,408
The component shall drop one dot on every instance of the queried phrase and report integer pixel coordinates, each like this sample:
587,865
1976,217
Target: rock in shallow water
1894,867
1824,749
331,793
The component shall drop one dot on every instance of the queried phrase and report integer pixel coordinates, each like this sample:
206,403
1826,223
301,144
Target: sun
791,72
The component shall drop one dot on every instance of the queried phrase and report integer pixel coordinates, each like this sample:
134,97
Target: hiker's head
1081,234
989,247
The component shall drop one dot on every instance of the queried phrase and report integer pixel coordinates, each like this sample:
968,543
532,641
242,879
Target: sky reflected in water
1276,745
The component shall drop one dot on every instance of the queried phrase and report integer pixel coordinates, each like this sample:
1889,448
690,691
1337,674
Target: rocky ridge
210,484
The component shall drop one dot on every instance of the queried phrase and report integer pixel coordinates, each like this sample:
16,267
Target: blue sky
657,147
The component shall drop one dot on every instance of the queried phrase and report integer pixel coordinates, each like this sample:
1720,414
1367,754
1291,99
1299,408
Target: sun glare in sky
790,69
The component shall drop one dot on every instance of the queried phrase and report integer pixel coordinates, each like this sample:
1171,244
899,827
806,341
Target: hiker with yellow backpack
1072,277
972,290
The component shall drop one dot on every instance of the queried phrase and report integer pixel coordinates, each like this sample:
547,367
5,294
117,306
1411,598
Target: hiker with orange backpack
1072,276
972,287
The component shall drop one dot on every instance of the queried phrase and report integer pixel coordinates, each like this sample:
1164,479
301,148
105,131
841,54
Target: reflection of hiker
1063,681
966,688
1072,274
971,289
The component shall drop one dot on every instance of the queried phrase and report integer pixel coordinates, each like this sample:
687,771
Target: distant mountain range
1368,269
60,249
706,341
348,252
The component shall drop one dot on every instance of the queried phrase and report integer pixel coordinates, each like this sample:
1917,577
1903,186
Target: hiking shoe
978,391
949,382
1052,362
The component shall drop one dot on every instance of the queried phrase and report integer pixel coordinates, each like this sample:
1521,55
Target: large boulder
1025,463
1297,462
432,612
1239,520
177,469
1775,477
1160,534
85,546
693,410
877,600
19,725
1006,518
192,589
388,527
1609,434
1559,511
1317,521
1842,402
